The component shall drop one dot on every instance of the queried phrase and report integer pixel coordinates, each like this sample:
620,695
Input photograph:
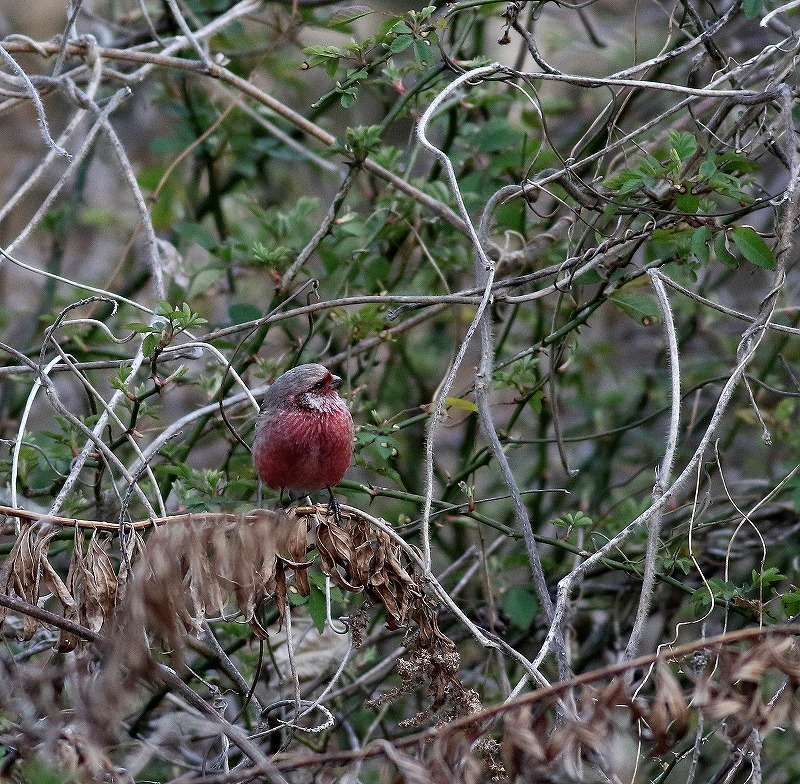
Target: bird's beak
336,381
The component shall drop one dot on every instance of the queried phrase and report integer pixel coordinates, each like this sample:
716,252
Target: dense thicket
548,246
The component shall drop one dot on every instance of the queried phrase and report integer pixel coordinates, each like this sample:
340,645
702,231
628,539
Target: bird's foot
333,506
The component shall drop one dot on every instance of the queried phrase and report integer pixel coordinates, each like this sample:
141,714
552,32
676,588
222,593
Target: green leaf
203,281
401,28
574,520
687,202
752,8
350,13
707,168
684,144
323,52
387,446
535,402
269,257
722,253
401,43
700,599
736,162
641,307
317,608
520,606
768,576
327,55
149,344
363,140
497,135
699,245
684,564
626,181
241,313
718,588
752,247
458,402
144,329
791,603
423,52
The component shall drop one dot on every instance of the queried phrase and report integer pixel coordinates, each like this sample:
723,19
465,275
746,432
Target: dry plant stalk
358,558
207,564
194,566
740,691
37,728
203,566
750,690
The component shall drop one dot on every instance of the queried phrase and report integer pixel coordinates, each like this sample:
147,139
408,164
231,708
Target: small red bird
304,432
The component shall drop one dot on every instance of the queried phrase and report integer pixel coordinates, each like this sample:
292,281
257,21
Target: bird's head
310,386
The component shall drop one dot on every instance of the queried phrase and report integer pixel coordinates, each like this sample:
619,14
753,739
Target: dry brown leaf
669,715
297,546
132,549
336,542
59,589
451,761
98,597
196,566
524,743
26,573
722,708
750,667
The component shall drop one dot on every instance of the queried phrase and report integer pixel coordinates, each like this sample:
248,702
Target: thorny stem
489,267
161,673
33,94
663,472
483,383
324,228
747,348
294,762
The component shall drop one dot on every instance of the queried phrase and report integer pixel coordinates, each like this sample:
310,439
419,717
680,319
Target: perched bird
304,432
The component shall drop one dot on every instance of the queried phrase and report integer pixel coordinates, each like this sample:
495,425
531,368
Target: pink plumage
304,432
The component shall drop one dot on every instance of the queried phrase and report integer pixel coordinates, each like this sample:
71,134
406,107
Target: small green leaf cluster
682,178
169,322
198,490
573,520
377,447
415,32
748,597
695,247
281,233
524,375
361,142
